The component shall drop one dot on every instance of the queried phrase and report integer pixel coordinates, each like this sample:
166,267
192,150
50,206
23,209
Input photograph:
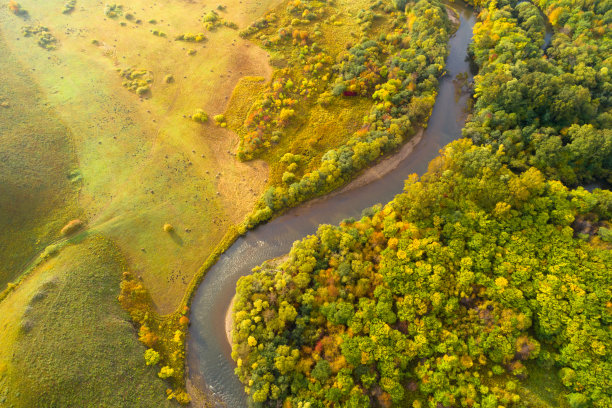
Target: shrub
199,116
69,7
113,10
219,119
49,251
169,79
211,17
191,52
72,227
151,357
142,90
165,372
168,228
605,234
26,325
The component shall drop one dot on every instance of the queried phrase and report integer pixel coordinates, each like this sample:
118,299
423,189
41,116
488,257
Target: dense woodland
450,295
548,105
486,283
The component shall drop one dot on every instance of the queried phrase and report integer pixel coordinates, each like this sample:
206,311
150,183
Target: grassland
66,342
142,163
35,205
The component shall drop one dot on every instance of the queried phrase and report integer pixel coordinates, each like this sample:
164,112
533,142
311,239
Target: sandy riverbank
229,321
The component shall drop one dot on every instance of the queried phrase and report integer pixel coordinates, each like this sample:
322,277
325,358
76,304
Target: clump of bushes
158,33
190,37
212,20
45,40
113,10
137,81
72,227
199,116
220,120
230,24
69,7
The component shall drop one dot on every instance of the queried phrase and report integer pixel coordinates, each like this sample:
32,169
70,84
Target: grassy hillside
143,161
66,342
38,185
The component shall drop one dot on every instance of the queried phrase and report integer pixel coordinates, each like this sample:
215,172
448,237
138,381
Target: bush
151,357
165,372
72,227
49,251
168,228
26,325
69,7
168,79
113,10
199,116
219,119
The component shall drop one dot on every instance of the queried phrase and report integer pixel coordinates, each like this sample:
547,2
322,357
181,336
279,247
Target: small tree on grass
151,357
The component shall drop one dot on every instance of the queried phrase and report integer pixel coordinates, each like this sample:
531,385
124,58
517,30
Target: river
208,353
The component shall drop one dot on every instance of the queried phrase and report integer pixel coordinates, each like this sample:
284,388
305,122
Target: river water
208,353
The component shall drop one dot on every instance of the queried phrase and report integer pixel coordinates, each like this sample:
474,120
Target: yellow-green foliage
212,20
45,39
113,10
395,65
451,294
158,33
69,7
168,79
137,81
219,119
200,116
190,37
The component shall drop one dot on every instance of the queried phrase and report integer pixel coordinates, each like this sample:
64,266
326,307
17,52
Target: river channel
208,352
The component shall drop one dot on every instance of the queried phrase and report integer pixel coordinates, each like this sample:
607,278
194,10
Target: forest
450,295
548,104
485,275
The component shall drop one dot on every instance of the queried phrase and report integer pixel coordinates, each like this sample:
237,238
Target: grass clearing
67,342
141,162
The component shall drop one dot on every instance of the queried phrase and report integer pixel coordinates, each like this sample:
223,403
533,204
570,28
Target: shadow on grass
178,240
